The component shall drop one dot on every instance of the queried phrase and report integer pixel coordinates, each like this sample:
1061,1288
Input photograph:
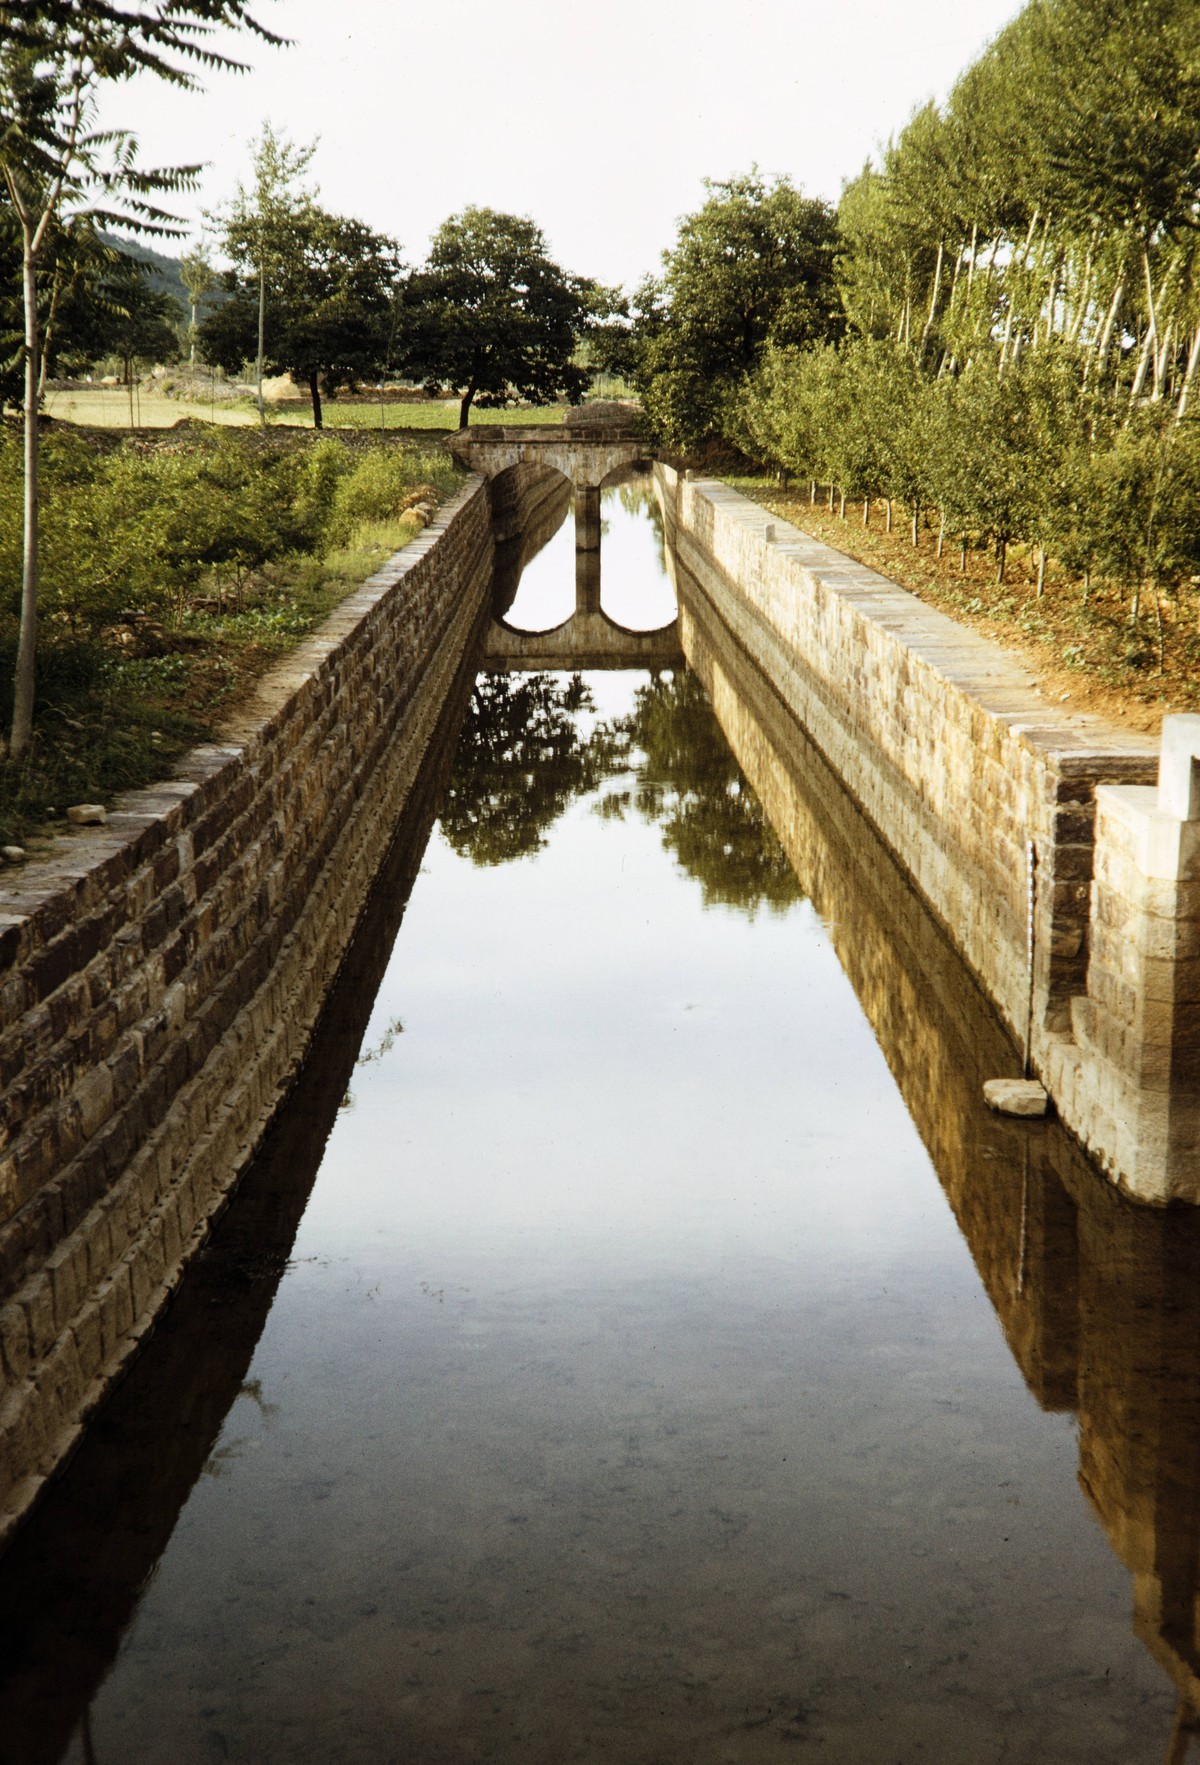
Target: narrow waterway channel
636,1342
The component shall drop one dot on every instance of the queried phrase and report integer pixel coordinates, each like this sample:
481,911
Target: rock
87,814
12,854
1016,1096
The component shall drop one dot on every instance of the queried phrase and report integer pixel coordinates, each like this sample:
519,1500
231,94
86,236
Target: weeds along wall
160,978
962,766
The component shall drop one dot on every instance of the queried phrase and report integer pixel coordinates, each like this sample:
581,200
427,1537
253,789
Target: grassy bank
1081,649
175,571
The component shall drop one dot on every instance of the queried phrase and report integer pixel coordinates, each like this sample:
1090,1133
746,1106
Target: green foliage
162,566
382,482
1022,281
751,268
492,314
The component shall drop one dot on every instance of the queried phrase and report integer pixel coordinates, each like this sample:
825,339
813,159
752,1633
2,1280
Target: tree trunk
941,533
937,288
262,331
1041,575
1189,376
314,387
1001,559
866,511
1106,331
812,492
842,508
464,409
887,503
831,499
916,522
962,555
24,675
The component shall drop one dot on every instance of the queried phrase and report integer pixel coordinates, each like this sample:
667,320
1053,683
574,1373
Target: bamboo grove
1020,280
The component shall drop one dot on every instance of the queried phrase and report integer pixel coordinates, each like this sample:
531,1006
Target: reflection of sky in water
632,1394
634,589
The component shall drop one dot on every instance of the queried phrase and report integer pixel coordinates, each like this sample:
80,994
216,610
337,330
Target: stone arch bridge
586,454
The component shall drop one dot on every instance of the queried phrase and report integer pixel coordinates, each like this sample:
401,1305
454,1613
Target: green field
108,407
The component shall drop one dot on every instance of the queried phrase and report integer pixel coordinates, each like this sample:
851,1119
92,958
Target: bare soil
1088,656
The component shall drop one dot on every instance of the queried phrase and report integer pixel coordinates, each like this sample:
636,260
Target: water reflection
526,754
626,1389
1099,1299
687,780
522,758
72,1580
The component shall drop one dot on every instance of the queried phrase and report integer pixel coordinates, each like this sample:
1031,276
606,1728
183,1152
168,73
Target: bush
380,483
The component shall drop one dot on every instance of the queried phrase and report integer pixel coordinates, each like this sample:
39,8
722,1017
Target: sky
599,121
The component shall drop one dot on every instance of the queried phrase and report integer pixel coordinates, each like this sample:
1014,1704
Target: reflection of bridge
586,453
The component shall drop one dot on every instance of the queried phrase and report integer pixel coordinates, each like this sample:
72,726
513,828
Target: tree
54,56
143,322
199,278
260,226
753,266
330,287
492,314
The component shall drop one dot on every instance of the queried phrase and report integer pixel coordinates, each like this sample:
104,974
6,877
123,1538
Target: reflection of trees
689,782
636,496
521,760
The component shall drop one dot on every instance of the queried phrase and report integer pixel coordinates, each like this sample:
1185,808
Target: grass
1085,655
114,714
107,407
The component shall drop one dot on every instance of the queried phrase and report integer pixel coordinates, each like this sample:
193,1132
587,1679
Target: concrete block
1179,767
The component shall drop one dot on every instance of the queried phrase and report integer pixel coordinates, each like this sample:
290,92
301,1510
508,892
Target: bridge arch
586,452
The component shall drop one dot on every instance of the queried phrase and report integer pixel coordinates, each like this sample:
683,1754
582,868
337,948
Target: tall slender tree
55,55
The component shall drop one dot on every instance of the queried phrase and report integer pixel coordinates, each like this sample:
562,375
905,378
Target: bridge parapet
585,453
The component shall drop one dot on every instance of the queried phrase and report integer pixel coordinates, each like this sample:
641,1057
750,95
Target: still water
636,1342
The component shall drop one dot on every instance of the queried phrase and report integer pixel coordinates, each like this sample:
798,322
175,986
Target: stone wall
161,977
965,770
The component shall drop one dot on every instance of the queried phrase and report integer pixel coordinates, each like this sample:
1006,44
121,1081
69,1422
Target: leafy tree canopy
330,299
753,266
491,313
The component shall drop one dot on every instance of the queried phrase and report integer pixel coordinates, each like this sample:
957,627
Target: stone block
1023,1097
15,1348
1179,767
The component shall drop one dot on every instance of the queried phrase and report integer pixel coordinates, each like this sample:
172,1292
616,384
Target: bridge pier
587,548
587,517
587,582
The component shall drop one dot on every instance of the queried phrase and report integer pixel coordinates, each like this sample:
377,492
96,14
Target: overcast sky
599,120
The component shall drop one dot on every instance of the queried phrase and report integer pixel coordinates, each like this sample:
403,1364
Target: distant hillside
164,271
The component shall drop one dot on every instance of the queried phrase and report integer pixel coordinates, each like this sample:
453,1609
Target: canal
636,1341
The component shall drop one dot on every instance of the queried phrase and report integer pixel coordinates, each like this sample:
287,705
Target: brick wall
160,977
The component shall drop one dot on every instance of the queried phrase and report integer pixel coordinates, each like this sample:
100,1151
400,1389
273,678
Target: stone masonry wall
960,764
160,977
